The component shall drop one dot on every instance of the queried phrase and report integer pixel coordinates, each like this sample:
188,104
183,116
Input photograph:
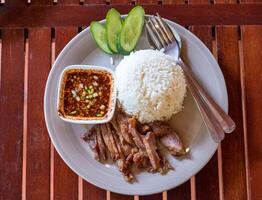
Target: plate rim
74,167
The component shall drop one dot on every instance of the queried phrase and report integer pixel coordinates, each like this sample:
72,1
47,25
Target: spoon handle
225,121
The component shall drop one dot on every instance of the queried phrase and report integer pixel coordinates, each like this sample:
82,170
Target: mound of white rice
150,85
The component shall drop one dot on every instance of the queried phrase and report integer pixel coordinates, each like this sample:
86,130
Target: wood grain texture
158,196
198,1
11,109
38,143
169,2
181,192
207,186
252,51
91,192
15,2
95,2
41,2
200,14
225,1
68,2
251,1
115,196
146,2
65,180
233,158
113,2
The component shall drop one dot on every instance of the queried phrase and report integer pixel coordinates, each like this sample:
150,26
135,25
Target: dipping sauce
86,94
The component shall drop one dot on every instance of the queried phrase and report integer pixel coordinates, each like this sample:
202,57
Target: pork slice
122,120
109,141
118,145
101,144
173,143
140,159
144,128
91,138
115,125
160,128
136,135
123,168
150,145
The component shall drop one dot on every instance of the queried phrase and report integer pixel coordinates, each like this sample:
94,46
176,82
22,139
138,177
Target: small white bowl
78,120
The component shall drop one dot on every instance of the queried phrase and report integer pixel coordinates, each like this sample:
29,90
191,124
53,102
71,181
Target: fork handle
225,121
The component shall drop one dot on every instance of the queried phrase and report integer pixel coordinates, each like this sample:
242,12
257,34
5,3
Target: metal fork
216,120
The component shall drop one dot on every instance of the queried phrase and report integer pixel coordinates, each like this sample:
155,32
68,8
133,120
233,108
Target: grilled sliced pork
150,145
122,120
136,135
101,144
109,141
173,143
160,128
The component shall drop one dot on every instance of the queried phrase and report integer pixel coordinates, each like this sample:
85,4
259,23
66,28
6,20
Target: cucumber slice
113,28
132,29
98,33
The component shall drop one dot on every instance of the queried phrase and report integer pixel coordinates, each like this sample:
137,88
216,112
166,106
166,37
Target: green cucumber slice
113,28
98,33
132,29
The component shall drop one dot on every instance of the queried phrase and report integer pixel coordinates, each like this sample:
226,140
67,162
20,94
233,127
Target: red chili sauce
86,94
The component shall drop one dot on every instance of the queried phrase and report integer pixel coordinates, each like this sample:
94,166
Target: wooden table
32,35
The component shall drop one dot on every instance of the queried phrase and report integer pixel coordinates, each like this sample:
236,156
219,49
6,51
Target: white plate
75,152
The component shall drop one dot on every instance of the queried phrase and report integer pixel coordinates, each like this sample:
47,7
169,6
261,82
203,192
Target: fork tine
161,31
153,37
166,28
156,32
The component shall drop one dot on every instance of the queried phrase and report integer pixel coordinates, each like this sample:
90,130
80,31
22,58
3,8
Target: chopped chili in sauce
86,94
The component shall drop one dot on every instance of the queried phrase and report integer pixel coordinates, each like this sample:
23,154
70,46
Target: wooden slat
95,2
200,14
11,109
115,196
91,192
146,2
252,51
158,196
251,1
233,158
15,2
41,2
38,143
112,2
169,2
68,2
65,180
180,193
208,176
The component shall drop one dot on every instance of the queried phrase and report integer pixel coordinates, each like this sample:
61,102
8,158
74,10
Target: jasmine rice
150,85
